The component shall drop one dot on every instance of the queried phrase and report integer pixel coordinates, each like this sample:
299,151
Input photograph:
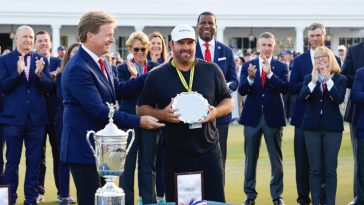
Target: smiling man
23,82
43,45
87,84
188,148
210,50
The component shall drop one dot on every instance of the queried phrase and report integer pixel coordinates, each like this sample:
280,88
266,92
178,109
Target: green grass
234,171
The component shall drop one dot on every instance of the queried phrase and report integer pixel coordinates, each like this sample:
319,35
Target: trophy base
110,200
109,194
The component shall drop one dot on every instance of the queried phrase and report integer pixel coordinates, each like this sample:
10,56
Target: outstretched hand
150,123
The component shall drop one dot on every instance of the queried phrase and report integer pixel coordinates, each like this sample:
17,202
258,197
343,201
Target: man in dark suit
357,97
43,45
302,65
23,82
210,50
87,84
263,80
354,60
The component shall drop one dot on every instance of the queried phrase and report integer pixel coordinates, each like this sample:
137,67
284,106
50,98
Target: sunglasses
136,49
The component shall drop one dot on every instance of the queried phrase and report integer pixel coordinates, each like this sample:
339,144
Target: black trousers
223,137
178,161
302,166
87,181
50,130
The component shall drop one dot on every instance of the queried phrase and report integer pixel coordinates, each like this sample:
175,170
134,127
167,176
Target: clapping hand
314,75
133,72
251,71
21,64
39,67
325,72
266,66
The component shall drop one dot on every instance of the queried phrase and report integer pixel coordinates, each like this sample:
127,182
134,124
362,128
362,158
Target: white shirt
211,47
261,68
312,54
92,54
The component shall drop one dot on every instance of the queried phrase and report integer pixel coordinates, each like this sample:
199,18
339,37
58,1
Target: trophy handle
131,141
88,140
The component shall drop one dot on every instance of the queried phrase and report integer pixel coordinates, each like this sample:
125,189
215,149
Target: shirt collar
261,60
211,43
92,54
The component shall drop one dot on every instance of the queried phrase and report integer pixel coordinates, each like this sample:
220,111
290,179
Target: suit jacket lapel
257,75
199,51
92,64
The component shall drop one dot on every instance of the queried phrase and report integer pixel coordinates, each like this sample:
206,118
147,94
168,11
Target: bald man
23,83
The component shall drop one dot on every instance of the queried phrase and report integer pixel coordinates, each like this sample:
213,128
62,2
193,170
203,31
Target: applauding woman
323,91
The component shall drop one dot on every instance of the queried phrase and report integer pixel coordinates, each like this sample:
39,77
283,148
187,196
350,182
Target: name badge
189,188
221,59
195,125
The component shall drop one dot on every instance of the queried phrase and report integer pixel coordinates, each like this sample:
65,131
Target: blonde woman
323,92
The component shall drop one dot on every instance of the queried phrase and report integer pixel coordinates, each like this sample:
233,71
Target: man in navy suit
23,82
43,45
357,97
209,49
263,80
302,65
354,60
87,85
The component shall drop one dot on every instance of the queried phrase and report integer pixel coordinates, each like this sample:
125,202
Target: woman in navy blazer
323,91
357,97
64,173
144,145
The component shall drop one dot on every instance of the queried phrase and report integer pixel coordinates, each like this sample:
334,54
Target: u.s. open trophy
110,153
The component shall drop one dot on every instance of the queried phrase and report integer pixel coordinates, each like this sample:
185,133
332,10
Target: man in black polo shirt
188,149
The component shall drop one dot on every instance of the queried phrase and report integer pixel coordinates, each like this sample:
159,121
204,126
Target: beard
184,57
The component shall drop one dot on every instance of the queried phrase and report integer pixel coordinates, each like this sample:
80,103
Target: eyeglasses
136,49
321,57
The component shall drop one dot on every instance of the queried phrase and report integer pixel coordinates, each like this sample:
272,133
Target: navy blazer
327,101
85,92
268,98
353,61
129,104
22,97
51,96
301,66
357,97
224,58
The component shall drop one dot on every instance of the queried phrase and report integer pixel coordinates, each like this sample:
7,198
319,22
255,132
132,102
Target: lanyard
183,80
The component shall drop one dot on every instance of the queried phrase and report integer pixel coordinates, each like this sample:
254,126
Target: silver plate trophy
110,153
192,107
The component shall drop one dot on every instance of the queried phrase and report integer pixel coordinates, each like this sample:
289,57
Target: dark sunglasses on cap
136,49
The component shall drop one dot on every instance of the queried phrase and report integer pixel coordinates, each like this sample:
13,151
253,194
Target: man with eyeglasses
302,65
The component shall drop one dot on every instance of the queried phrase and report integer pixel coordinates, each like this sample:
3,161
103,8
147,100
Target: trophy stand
110,194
